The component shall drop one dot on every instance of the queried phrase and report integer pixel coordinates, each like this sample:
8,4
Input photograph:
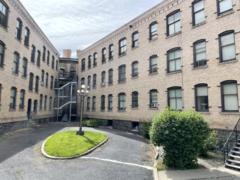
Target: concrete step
236,152
234,156
233,161
232,166
235,147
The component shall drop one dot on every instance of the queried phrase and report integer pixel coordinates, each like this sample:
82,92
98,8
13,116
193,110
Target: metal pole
80,132
70,104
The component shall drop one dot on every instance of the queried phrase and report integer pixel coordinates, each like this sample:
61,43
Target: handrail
226,148
66,85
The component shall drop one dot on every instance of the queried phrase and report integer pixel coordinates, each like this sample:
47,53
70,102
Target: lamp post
83,93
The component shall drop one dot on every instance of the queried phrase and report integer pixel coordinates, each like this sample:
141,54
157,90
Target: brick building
180,53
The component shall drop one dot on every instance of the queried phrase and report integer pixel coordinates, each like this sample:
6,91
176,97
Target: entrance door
29,108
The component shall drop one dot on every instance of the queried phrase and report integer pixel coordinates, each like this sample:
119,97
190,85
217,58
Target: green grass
67,143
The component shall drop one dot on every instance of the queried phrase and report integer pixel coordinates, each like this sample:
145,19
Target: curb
71,157
155,174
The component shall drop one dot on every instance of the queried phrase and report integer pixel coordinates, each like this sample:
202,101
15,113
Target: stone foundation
12,126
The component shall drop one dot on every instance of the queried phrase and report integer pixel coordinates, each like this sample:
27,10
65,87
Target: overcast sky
76,24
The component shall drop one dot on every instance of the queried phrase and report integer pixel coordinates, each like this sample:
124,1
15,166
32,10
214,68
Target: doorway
29,108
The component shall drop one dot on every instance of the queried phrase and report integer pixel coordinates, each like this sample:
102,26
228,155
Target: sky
77,24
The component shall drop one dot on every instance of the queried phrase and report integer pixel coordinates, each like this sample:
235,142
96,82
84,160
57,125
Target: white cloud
76,24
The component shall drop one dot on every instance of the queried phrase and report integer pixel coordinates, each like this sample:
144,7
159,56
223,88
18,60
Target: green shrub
92,123
182,135
209,144
145,128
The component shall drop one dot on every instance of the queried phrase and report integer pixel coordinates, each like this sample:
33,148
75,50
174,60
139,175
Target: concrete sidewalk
195,174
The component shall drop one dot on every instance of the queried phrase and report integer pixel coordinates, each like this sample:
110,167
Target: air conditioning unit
103,84
154,105
155,69
135,73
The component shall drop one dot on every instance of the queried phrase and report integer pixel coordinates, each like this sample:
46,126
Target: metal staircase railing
231,141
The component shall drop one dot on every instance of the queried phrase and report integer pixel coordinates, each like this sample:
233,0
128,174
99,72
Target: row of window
42,82
173,27
13,99
229,97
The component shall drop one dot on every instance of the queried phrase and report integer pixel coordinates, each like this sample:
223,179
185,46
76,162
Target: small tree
182,135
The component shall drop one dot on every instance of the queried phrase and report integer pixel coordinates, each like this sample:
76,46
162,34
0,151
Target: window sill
12,109
94,88
88,110
122,55
153,40
152,108
200,67
175,72
26,46
135,47
153,73
230,113
2,68
135,77
102,111
18,40
104,62
93,110
121,111
205,113
94,66
175,34
30,91
82,70
15,74
228,62
103,86
39,67
110,111
122,82
135,108
200,24
111,59
32,63
4,28
24,77
89,68
225,14
36,92
110,84
21,110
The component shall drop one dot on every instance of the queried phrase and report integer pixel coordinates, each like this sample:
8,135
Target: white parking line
119,162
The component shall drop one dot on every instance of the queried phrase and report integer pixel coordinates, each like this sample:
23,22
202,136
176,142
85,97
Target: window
19,29
110,76
44,53
56,65
135,99
45,103
199,49
174,60
134,69
175,98
83,64
173,23
104,55
94,103
135,39
198,12
0,92
110,102
40,101
201,93
122,46
3,14
31,82
94,80
102,102
89,82
229,96
153,64
224,6
22,97
2,49
35,106
26,40
50,103
89,61
46,79
95,59
83,81
48,57
42,77
88,103
15,63
227,46
13,98
36,84
153,31
122,73
24,68
153,98
33,54
38,58
121,101
53,59
103,78
51,82
111,52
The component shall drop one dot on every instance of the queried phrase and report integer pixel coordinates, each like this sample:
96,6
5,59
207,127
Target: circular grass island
68,144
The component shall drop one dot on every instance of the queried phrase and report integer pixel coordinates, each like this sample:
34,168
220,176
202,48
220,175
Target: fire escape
66,101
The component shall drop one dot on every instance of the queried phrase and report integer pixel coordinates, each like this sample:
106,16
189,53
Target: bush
209,144
92,123
145,128
182,135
